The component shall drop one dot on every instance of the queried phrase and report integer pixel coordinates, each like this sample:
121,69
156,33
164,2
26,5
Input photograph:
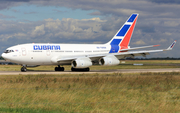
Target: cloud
7,4
147,29
166,1
30,12
163,40
66,30
140,42
15,0
38,31
158,22
59,11
95,13
5,16
103,7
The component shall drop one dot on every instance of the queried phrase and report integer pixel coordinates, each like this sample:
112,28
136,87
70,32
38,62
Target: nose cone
4,55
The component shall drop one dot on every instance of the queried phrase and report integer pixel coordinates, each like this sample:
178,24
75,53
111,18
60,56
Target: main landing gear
23,69
79,69
59,68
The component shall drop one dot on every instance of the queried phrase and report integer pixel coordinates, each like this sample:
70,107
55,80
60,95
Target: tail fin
123,36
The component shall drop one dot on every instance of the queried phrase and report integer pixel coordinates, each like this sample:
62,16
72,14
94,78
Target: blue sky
89,21
27,12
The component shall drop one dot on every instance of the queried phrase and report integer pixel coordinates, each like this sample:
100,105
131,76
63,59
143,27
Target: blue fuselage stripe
114,49
115,45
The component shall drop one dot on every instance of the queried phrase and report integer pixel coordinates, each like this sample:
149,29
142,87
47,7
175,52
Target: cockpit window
8,51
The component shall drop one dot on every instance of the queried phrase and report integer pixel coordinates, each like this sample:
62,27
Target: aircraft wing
139,48
120,55
136,53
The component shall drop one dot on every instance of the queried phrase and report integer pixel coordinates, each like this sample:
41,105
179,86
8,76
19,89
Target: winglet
171,46
155,45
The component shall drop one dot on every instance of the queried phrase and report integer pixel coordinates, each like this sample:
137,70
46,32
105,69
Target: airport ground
97,92
125,64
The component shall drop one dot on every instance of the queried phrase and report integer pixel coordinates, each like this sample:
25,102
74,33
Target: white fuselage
43,54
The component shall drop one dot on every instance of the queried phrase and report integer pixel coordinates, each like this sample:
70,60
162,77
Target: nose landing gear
23,69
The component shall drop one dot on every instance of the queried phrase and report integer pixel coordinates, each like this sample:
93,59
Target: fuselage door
23,51
48,52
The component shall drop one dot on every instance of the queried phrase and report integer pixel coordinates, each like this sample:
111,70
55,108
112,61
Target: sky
89,21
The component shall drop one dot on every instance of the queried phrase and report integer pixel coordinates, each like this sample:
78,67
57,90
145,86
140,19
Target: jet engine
81,63
109,60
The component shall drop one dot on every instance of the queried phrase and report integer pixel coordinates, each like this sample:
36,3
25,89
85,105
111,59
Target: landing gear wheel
23,69
73,69
83,69
62,68
59,68
87,69
56,68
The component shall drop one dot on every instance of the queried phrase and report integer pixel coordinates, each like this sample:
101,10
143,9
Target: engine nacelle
109,61
81,63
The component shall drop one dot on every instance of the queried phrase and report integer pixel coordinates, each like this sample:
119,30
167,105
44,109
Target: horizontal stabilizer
171,46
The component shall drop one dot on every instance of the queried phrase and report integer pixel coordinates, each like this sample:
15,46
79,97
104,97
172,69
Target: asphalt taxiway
30,72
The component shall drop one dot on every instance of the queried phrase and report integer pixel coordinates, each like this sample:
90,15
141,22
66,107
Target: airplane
79,56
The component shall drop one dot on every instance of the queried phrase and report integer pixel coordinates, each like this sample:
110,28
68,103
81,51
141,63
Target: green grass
139,92
29,110
118,92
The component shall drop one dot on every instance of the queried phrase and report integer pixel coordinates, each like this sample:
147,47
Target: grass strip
118,92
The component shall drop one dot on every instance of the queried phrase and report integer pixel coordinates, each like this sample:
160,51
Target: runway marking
91,72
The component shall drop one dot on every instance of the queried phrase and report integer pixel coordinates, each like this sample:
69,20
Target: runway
30,72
